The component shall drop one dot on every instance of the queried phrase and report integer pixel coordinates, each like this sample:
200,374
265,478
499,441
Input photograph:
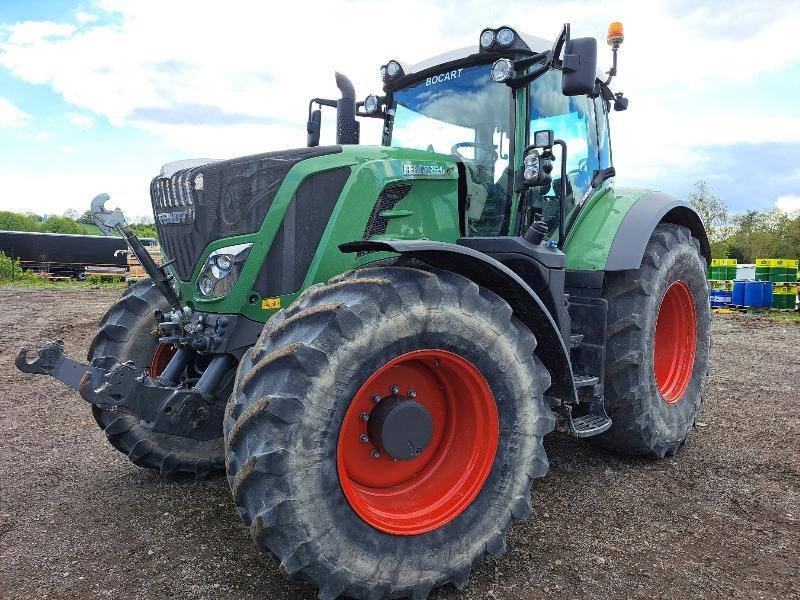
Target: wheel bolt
364,417
412,394
395,389
376,398
364,438
376,454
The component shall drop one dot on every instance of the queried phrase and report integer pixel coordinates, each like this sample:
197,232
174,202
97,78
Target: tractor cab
483,108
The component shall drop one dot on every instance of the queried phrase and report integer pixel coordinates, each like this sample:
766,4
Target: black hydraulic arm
158,275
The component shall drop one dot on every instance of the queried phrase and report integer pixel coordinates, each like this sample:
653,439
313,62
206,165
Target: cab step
593,422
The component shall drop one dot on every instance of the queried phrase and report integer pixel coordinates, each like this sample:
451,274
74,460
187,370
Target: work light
487,38
505,36
393,68
221,270
502,70
371,104
531,167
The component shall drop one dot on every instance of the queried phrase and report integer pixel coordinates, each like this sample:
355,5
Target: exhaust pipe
347,128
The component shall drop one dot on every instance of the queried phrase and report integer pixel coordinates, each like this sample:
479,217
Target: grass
46,284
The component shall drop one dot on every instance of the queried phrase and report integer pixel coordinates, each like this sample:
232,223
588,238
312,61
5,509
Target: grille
200,204
298,237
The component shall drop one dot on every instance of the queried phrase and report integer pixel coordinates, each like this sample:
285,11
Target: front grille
298,237
174,191
200,204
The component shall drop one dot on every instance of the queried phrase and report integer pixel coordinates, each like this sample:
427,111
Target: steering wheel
488,147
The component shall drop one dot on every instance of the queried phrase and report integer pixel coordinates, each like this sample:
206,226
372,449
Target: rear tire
291,407
659,334
125,334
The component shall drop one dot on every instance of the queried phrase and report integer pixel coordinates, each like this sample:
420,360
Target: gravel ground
719,520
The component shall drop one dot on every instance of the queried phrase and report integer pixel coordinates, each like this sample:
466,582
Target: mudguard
612,231
493,275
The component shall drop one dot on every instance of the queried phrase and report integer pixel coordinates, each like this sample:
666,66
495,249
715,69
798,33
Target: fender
612,231
493,275
634,232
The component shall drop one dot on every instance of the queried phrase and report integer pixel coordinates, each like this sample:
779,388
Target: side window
604,143
573,120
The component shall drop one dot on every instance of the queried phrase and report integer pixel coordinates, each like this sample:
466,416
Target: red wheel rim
161,358
414,496
675,342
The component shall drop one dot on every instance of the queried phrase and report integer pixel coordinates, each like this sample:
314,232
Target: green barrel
762,274
791,274
719,273
777,274
730,272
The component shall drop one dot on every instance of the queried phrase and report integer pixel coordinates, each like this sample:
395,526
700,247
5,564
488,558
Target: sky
95,95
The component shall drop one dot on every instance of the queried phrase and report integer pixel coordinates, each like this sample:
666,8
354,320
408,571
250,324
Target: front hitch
192,413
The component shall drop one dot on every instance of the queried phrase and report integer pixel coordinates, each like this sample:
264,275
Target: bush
11,270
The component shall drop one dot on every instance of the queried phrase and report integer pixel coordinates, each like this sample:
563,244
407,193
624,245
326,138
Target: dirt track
719,520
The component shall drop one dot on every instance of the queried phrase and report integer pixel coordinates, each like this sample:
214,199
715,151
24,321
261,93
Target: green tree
61,225
11,221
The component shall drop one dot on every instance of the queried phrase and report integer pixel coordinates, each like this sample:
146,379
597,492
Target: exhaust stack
347,128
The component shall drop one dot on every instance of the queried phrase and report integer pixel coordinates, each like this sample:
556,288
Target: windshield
464,113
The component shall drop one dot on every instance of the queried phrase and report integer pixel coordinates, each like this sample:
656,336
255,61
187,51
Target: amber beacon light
615,35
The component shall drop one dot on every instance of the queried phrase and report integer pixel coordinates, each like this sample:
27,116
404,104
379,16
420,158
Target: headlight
502,70
222,270
531,167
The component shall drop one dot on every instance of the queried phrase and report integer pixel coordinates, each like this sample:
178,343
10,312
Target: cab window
573,120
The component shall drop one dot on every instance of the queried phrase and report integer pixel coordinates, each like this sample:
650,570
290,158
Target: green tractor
372,341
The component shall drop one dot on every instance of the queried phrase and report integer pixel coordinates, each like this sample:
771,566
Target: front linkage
160,402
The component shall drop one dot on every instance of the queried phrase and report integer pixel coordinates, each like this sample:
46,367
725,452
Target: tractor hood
196,205
292,209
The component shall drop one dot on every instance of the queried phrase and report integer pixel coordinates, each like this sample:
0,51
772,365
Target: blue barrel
754,293
766,294
738,292
725,297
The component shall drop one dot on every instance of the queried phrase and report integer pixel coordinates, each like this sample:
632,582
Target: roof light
487,38
505,37
393,68
502,70
615,34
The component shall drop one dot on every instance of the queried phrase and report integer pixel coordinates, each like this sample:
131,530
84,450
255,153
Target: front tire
293,432
659,334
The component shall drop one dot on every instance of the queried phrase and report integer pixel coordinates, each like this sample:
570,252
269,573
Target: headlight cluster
222,270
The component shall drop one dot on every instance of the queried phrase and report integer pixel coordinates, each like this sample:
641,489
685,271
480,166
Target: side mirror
313,128
579,66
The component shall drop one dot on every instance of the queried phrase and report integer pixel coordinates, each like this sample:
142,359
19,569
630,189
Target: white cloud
788,204
83,17
30,33
80,120
10,115
66,149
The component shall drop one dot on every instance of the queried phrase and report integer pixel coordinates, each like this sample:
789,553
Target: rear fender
493,275
613,230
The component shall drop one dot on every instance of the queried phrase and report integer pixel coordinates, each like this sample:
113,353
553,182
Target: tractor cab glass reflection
464,113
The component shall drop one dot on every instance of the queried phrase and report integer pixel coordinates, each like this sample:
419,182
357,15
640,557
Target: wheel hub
401,427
